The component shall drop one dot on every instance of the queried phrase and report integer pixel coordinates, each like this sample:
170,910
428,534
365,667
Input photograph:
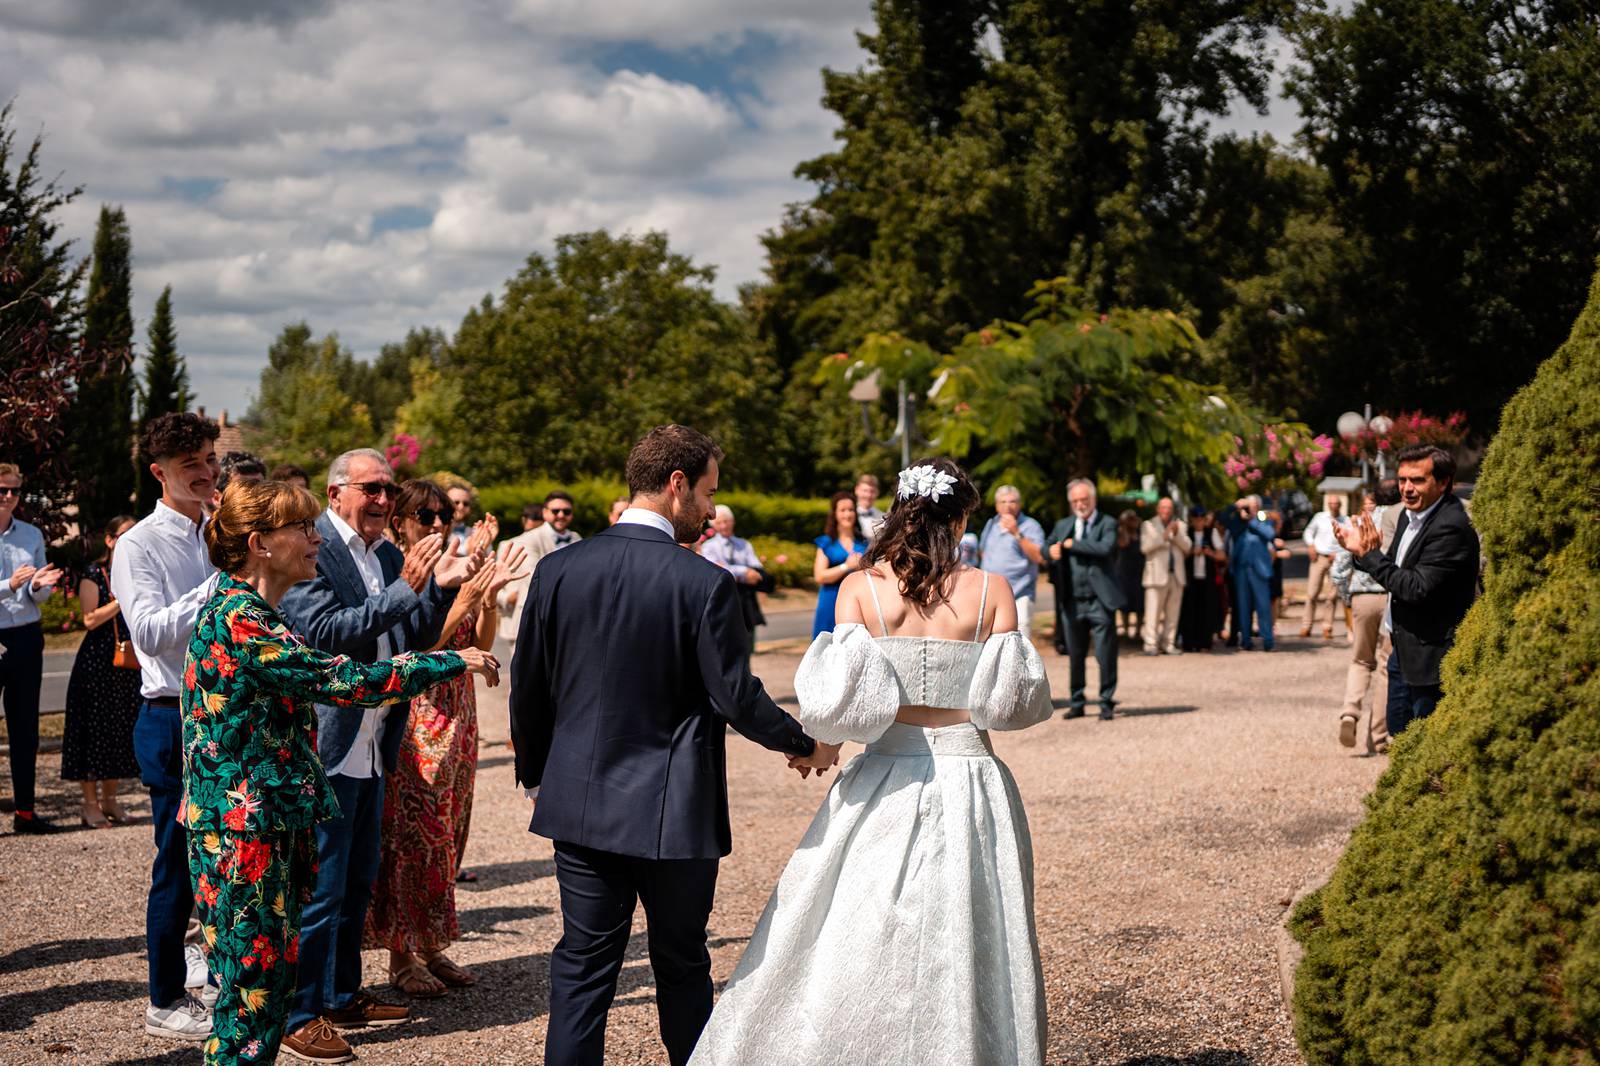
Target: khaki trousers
1319,588
1369,657
1162,605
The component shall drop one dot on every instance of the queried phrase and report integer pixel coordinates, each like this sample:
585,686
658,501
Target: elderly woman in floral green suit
254,785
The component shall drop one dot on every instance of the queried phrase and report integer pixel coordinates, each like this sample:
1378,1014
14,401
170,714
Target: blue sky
370,166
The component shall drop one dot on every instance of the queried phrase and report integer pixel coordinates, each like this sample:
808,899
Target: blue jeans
1255,596
158,746
1407,703
333,923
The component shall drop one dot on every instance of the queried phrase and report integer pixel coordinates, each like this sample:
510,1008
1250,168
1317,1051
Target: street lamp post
1351,424
866,392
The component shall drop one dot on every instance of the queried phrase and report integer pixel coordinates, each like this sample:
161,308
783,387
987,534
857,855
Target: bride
902,930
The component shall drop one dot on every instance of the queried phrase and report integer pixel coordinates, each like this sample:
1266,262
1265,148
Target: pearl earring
269,555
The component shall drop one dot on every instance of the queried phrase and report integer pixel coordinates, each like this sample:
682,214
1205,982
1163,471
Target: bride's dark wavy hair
921,538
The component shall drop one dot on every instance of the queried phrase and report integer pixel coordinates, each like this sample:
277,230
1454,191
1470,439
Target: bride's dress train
902,930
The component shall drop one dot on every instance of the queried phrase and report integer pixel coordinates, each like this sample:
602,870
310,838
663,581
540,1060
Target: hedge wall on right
1462,924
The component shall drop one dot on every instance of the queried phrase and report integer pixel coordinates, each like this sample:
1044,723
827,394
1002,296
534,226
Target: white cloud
373,165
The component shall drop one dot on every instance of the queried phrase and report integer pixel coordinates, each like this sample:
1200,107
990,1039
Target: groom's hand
822,757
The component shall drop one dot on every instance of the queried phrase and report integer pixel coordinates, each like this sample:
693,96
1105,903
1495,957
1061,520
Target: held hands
820,759
1360,537
421,558
482,663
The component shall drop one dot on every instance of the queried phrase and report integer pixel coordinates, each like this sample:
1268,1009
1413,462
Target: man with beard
628,669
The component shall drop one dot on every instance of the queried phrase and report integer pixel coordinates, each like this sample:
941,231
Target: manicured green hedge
790,518
1463,923
788,561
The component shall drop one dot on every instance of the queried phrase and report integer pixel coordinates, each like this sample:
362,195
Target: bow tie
563,538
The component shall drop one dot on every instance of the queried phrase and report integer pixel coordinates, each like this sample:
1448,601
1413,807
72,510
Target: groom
628,666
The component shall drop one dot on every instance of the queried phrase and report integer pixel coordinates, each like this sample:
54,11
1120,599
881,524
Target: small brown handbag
124,655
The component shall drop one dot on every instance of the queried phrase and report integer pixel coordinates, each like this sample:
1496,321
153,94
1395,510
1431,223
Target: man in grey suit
1082,550
370,602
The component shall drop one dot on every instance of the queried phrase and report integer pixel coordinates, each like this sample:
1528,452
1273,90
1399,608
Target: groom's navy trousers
599,890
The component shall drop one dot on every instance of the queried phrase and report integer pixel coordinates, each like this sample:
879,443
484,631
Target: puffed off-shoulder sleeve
1009,688
846,687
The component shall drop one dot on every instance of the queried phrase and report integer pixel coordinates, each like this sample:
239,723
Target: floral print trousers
249,889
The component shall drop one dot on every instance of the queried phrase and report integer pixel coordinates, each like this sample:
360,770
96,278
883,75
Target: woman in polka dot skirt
102,699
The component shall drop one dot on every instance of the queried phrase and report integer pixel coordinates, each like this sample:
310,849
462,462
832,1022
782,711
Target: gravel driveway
1168,844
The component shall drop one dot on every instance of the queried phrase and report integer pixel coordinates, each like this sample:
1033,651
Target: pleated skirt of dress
902,930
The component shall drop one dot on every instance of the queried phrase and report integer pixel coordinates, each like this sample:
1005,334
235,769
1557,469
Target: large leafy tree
1078,149
1068,392
1461,140
304,412
41,345
165,388
584,352
102,411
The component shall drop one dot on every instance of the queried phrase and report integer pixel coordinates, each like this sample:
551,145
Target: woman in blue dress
839,552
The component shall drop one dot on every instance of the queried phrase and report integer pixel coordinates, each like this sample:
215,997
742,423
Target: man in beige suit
1164,540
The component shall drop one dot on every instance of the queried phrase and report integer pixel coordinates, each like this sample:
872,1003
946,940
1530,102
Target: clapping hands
42,578
452,571
1359,537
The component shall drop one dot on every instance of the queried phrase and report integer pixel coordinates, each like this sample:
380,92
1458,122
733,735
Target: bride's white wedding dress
902,930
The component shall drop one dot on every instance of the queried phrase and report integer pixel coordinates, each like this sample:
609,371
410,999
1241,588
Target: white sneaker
185,1019
208,995
195,961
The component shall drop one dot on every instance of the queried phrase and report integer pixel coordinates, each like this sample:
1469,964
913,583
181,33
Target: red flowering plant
405,456
1386,436
1278,456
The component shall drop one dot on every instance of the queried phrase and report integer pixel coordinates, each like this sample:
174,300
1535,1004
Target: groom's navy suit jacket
629,661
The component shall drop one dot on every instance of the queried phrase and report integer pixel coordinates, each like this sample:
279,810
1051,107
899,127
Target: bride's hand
821,759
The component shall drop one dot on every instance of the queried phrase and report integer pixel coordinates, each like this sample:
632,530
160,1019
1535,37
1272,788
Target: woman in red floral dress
427,803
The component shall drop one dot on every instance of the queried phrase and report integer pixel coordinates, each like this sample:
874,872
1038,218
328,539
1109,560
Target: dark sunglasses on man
560,510
375,489
10,490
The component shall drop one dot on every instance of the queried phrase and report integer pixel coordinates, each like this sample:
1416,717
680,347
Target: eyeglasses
10,490
375,488
428,516
307,526
560,510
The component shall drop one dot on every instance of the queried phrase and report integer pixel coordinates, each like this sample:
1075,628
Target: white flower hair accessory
926,481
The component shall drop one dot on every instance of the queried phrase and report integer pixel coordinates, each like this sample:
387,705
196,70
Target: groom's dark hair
665,449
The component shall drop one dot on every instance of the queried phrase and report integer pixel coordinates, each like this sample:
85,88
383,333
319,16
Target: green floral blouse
249,727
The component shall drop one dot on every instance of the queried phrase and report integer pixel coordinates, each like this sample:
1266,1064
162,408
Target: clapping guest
556,532
1250,558
252,779
1366,600
1200,619
839,552
102,698
26,580
510,599
427,804
368,600
1164,540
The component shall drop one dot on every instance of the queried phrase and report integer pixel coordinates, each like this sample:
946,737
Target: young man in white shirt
1322,546
162,575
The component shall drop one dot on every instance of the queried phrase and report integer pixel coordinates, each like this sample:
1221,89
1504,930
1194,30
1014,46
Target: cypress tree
1462,924
166,384
102,415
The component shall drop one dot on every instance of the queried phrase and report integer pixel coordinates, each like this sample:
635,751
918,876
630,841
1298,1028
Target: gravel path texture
1168,844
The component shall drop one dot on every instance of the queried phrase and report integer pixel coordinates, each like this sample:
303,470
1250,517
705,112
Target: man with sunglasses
26,580
537,541
370,602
